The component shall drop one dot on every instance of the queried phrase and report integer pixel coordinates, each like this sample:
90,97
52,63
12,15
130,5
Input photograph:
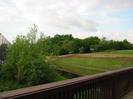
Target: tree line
67,44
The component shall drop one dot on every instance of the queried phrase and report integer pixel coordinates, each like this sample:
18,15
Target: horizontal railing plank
55,87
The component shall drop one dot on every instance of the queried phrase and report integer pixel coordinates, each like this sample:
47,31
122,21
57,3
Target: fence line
108,85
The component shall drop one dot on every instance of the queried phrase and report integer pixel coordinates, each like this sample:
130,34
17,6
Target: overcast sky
82,18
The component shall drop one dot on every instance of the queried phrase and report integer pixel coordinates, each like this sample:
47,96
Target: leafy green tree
127,45
67,44
76,45
92,42
103,45
26,64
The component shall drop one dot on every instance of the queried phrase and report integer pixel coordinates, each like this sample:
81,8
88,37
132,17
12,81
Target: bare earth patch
128,96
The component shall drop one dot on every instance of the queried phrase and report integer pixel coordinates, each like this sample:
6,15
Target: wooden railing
109,85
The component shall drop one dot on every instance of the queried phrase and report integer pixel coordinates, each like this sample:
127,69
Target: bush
10,85
25,64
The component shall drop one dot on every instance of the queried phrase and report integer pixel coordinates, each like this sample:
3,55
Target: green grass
120,52
87,64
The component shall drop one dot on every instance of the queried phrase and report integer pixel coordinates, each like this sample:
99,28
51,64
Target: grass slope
87,64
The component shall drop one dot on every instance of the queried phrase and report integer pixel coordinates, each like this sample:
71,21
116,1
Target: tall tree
26,64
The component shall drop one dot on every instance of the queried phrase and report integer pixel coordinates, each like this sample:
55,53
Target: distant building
3,40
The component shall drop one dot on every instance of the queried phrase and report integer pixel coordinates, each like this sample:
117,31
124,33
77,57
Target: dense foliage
67,44
25,65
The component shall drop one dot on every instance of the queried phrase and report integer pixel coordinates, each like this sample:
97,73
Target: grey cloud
116,5
84,25
122,3
60,14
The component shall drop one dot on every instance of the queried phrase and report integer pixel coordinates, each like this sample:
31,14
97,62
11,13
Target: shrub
25,64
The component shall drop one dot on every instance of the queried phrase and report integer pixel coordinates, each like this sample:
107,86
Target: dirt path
101,56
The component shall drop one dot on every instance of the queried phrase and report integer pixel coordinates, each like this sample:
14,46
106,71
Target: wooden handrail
108,85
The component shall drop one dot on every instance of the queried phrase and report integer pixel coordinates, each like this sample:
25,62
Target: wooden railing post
113,89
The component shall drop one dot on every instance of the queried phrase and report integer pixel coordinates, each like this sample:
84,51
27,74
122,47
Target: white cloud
58,16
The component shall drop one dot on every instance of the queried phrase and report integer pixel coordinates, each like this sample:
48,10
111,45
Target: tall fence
109,85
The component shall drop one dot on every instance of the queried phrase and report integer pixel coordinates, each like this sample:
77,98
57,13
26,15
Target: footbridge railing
108,85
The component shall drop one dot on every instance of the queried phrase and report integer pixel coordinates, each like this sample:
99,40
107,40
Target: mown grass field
88,64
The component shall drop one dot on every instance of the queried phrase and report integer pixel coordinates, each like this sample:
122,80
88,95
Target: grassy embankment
87,64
